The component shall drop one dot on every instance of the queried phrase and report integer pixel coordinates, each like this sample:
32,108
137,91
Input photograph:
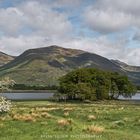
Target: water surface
135,97
27,96
44,96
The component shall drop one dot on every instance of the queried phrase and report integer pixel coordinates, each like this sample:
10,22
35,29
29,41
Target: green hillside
43,66
133,72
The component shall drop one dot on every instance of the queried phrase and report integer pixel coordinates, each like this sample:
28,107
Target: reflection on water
43,96
135,97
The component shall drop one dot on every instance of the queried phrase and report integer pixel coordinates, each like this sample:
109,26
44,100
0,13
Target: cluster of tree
33,87
94,84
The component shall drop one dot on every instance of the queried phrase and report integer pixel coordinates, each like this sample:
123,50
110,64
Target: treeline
94,84
33,87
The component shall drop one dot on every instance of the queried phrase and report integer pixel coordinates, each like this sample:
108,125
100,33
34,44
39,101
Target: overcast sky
110,28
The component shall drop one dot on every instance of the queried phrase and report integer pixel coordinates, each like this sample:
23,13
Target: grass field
44,120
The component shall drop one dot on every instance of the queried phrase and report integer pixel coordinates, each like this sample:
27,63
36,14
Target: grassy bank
43,120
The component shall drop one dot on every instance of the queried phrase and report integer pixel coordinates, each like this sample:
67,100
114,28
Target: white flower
5,105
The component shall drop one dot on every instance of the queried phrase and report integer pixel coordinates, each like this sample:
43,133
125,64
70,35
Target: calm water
135,97
43,96
27,96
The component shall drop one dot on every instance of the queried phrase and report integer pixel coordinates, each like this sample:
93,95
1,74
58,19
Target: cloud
11,20
32,15
136,36
107,16
70,3
17,45
106,21
100,45
33,24
103,46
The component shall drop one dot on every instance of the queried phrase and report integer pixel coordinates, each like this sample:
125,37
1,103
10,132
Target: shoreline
31,91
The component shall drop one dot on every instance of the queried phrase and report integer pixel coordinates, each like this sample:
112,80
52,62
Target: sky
110,28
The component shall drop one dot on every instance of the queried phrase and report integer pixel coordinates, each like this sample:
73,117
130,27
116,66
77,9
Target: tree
120,85
114,91
94,84
5,104
6,84
85,91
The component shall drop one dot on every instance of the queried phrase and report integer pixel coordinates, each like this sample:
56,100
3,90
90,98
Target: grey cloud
31,14
52,27
100,45
136,36
67,2
11,20
17,45
108,16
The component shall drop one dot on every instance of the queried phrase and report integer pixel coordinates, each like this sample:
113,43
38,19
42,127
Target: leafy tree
121,86
114,91
85,91
94,84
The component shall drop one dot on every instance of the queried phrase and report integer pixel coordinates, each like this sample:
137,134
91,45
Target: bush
5,85
5,105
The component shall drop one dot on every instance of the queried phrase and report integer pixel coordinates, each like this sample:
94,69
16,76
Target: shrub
5,85
5,105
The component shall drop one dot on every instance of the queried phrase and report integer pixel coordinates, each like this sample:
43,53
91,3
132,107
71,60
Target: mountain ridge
45,65
126,66
5,58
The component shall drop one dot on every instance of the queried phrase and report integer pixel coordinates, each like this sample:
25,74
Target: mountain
5,58
126,67
133,72
44,66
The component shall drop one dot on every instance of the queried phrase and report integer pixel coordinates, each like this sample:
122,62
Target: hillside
4,58
44,66
133,72
126,67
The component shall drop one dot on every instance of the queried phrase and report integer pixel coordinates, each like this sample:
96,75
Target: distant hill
133,72
126,67
5,58
43,66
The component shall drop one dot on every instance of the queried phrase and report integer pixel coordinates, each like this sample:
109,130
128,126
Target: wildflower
5,105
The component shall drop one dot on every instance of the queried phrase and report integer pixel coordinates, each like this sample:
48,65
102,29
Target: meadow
46,120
